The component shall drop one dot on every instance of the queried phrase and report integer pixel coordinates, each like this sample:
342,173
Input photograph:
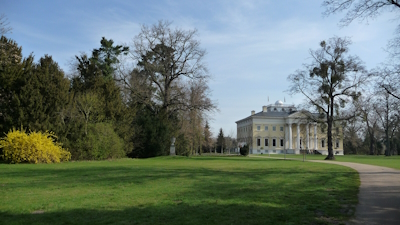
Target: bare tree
387,111
164,56
165,74
390,80
366,106
359,9
4,25
332,80
364,10
87,105
353,132
230,141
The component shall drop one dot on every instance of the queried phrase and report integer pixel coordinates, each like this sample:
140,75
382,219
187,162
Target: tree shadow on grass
177,212
200,195
121,175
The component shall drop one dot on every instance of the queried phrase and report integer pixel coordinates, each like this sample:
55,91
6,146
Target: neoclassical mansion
281,129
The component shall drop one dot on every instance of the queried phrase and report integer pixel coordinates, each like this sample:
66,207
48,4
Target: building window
323,143
281,142
281,128
266,128
258,151
274,109
266,141
281,151
337,143
274,128
274,151
337,130
274,142
258,141
258,127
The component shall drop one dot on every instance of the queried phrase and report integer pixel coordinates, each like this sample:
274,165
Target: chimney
265,109
253,112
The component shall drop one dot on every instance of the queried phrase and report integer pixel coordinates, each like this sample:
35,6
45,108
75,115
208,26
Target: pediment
300,114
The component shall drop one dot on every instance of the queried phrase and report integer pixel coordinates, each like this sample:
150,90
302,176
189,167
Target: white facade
281,129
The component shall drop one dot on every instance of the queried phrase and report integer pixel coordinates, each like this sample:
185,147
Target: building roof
270,115
277,114
273,114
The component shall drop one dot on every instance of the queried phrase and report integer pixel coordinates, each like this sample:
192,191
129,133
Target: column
286,138
315,137
298,137
290,136
308,136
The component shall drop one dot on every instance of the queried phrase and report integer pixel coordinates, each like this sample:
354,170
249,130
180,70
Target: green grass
377,160
178,190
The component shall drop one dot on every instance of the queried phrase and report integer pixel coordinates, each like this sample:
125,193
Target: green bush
102,142
244,150
35,147
182,145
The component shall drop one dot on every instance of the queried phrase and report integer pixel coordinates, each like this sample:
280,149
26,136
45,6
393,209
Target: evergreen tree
32,95
220,141
96,75
154,133
207,144
44,96
14,69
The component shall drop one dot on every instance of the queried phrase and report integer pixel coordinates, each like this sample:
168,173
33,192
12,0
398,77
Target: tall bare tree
364,10
387,111
329,82
166,55
366,106
169,80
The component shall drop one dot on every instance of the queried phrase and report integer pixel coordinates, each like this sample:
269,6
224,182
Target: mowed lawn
377,160
178,190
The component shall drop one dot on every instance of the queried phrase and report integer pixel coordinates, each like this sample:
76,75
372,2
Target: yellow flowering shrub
35,147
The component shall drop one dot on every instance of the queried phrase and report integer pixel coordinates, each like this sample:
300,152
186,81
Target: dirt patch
37,212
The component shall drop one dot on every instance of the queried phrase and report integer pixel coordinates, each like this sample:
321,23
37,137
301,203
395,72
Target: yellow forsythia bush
35,147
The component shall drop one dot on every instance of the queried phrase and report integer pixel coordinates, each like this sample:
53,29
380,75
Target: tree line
119,100
340,89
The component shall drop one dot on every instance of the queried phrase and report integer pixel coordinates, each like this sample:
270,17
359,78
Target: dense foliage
35,147
105,109
102,142
244,150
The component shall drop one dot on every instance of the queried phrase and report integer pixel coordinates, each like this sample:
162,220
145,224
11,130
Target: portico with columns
281,129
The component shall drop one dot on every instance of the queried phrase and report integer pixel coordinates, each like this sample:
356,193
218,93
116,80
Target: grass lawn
178,190
377,160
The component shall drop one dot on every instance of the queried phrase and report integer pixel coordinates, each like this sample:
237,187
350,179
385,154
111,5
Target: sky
252,46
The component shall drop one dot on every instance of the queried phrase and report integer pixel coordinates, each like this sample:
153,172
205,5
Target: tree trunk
330,121
371,143
387,152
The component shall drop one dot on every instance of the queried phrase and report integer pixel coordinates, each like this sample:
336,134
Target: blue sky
252,46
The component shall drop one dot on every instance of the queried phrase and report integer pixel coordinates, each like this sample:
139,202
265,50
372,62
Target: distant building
279,128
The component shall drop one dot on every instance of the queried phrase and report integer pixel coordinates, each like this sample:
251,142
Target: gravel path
379,196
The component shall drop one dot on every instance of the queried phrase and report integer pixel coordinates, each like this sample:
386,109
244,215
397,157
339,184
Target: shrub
182,145
244,150
35,147
102,142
